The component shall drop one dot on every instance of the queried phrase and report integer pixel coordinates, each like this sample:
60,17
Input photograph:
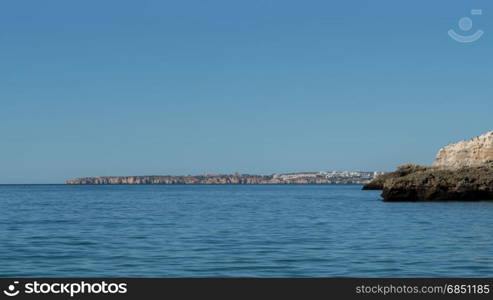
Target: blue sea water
239,231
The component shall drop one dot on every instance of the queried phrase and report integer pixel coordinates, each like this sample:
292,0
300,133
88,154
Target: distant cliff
295,178
472,153
200,179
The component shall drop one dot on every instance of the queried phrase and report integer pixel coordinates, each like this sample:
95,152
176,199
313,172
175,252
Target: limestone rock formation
471,153
462,171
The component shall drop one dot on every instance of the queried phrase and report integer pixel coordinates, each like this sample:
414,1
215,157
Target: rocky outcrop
378,182
462,171
473,153
439,184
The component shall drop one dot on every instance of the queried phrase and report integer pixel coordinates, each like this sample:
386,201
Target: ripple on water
238,231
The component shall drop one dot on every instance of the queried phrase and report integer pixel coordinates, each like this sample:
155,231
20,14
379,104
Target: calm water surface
261,231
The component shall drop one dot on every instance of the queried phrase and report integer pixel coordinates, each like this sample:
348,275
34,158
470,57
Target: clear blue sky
90,88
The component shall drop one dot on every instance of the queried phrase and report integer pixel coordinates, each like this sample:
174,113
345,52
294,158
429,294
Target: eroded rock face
437,184
378,183
472,153
462,171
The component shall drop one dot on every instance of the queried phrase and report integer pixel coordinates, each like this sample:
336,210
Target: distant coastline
334,177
